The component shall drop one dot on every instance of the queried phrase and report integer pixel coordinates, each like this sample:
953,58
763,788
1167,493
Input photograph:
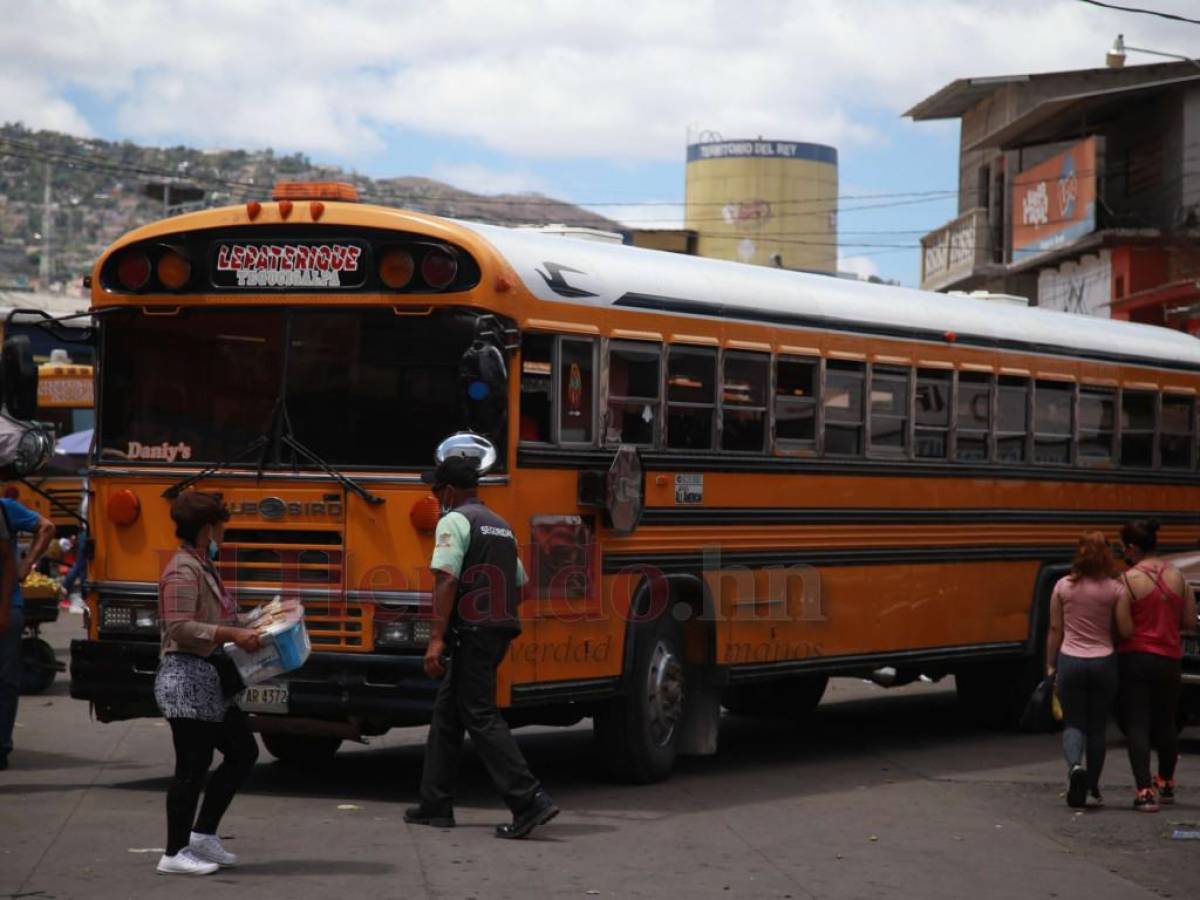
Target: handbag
227,673
1040,713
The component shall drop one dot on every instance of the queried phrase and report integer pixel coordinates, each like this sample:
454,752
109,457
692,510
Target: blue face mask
214,549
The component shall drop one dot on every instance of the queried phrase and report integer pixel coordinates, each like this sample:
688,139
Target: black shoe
3,761
419,815
1077,787
541,809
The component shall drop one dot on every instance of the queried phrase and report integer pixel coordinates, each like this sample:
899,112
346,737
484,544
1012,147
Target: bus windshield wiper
281,434
263,442
179,487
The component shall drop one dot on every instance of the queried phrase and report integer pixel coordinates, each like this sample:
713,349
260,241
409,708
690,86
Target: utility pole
45,270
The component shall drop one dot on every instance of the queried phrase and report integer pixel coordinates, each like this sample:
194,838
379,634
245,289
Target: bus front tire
301,749
638,733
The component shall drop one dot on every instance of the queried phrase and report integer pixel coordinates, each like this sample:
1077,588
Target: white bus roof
597,274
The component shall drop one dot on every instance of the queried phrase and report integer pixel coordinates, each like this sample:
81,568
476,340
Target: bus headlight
128,618
402,633
393,634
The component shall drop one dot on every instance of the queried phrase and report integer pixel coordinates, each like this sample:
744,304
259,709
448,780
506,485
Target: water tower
771,203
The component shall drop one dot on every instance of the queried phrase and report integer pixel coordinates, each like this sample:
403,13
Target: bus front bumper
374,691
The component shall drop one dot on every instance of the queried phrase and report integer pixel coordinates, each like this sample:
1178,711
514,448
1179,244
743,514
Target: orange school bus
731,482
64,401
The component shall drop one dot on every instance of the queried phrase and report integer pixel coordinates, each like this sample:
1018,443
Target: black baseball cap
456,471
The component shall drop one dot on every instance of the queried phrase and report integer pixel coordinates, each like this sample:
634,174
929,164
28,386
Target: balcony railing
952,252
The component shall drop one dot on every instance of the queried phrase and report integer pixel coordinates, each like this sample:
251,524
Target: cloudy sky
591,102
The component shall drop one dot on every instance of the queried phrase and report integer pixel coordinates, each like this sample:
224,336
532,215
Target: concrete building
771,203
1079,190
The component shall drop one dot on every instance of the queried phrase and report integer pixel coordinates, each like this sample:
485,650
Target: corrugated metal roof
1054,114
958,96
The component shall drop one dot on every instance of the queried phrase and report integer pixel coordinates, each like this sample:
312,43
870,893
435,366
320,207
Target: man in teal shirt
477,586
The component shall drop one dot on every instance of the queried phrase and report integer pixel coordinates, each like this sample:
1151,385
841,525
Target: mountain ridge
101,189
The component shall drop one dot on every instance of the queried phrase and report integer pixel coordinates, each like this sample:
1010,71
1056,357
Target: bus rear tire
638,733
301,749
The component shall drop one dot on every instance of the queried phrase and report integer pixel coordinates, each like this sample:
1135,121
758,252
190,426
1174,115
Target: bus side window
537,399
844,408
576,391
796,384
1137,428
744,402
1176,444
691,397
973,421
889,409
633,389
1097,424
932,432
1052,421
1012,418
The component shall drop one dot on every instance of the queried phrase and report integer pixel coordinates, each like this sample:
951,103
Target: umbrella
75,444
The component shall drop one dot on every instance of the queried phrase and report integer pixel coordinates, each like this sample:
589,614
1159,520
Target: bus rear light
396,268
133,270
425,514
316,209
438,269
253,208
174,270
285,208
124,507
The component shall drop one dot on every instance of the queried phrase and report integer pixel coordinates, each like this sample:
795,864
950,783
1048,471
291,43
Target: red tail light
438,269
133,270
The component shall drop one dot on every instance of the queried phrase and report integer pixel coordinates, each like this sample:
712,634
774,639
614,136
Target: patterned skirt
188,687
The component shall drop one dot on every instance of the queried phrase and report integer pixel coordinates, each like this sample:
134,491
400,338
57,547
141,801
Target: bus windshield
363,387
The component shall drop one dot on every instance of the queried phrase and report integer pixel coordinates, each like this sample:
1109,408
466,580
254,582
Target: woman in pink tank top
1156,606
1081,657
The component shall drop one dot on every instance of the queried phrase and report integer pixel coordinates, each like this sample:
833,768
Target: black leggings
1149,698
194,745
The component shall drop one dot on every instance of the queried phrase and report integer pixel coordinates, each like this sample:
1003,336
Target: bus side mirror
20,385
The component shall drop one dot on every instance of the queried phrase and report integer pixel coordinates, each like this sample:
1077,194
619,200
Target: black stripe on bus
662,461
875,329
691,562
716,515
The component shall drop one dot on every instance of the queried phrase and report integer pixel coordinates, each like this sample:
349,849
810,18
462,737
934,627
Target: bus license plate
265,698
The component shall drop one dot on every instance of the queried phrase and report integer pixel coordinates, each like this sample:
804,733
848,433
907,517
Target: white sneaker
207,847
184,863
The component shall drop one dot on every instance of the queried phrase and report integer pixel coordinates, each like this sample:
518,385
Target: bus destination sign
290,265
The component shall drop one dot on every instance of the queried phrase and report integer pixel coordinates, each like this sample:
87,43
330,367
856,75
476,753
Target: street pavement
882,794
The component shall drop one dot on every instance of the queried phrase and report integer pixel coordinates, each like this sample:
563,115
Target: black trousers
466,702
195,742
1149,698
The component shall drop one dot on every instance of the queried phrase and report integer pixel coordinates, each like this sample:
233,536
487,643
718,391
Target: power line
1145,12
